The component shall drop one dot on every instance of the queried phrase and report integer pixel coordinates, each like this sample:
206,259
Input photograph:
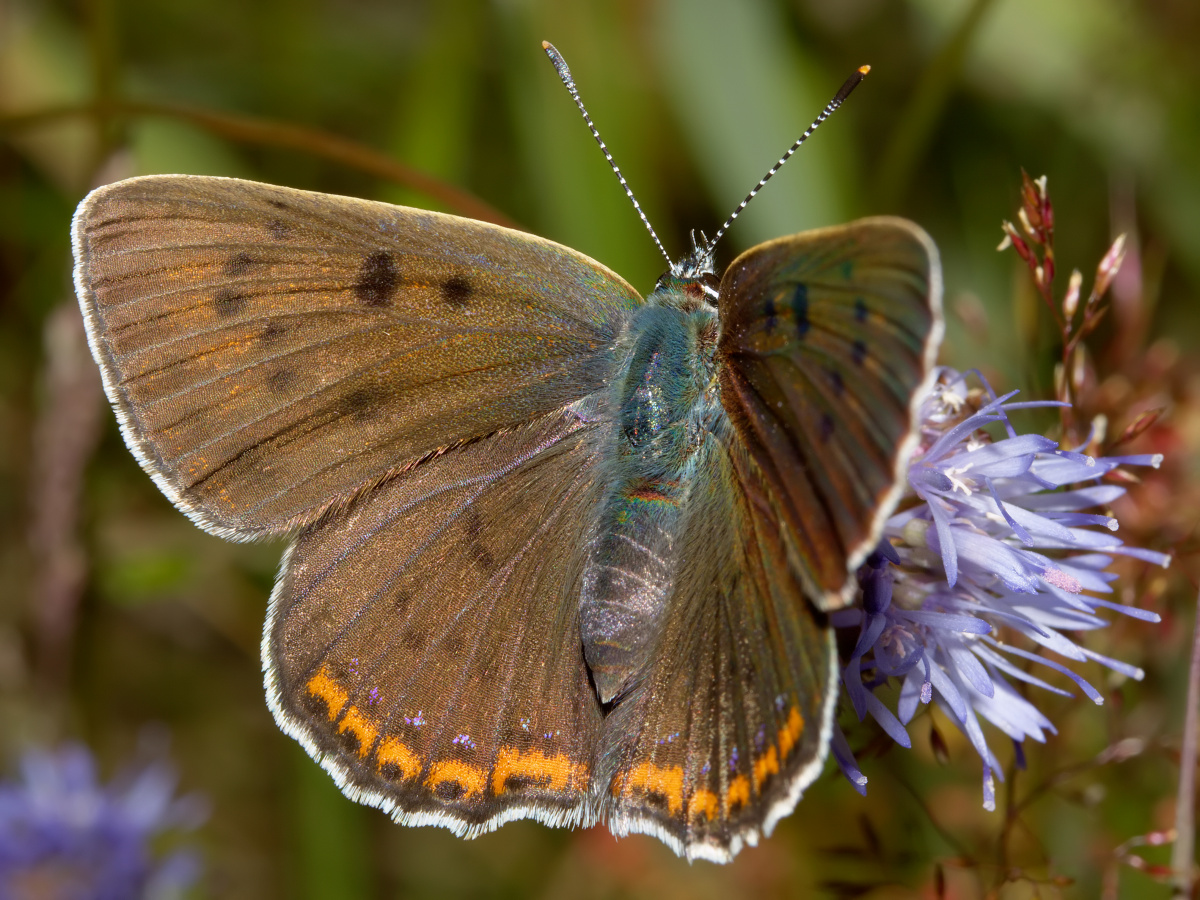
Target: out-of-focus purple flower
987,537
65,836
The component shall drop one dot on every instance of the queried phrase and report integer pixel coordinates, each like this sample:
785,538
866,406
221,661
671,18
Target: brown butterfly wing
827,339
271,351
733,718
423,643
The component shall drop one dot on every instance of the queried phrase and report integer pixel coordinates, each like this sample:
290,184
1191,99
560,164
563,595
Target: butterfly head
696,264
694,276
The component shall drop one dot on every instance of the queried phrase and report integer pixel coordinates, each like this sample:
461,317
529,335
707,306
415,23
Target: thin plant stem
266,132
1182,862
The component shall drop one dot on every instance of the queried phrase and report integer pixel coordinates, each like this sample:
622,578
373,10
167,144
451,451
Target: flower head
64,836
992,534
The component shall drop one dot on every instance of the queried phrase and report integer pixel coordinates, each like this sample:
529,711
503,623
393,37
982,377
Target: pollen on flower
1061,579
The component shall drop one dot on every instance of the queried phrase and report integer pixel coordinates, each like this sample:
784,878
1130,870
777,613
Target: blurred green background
116,615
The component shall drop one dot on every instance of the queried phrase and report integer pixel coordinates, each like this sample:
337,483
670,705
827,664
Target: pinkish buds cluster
1036,248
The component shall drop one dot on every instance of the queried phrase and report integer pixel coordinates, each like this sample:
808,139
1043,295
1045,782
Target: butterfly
558,551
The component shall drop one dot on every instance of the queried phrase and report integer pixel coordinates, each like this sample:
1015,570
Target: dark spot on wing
362,403
518,782
448,790
457,291
350,741
279,229
314,705
278,204
825,427
860,309
238,264
391,772
377,279
228,302
272,333
770,313
473,522
657,800
454,645
281,380
800,309
401,601
835,381
483,556
859,353
413,640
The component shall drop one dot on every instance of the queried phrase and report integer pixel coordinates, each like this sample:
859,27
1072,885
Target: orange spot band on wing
393,752
767,764
789,734
703,803
667,781
363,728
471,779
739,792
325,688
555,772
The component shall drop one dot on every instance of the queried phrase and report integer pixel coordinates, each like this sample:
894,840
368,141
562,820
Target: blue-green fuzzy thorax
665,398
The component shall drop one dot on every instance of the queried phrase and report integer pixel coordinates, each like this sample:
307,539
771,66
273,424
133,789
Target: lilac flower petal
840,748
987,555
1115,664
1153,460
912,691
1084,685
945,543
856,691
989,789
969,669
1076,499
995,659
948,621
931,479
888,722
888,552
870,634
948,691
1134,612
1012,713
1004,459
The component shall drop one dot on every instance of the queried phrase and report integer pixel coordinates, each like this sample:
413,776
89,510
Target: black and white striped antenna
700,259
838,99
560,66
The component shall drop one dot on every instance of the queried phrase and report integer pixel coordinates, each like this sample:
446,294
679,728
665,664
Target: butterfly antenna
560,66
843,92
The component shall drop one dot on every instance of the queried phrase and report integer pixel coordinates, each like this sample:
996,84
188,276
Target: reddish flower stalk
1036,248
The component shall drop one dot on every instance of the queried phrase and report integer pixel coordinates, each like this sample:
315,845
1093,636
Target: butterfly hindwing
732,719
423,644
271,351
827,338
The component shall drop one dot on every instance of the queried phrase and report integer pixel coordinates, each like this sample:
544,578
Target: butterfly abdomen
661,397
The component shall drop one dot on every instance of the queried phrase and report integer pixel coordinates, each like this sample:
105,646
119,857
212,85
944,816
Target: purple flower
64,836
986,538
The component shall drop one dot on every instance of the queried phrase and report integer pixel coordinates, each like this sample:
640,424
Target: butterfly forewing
733,718
424,644
827,338
272,351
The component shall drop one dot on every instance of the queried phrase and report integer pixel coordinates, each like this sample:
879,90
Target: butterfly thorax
665,398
